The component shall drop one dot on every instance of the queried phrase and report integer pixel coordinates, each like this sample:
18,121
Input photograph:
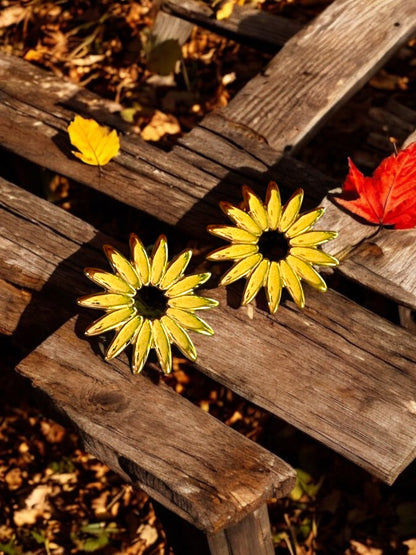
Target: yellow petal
233,252
192,302
273,286
233,234
241,268
256,208
175,269
312,238
109,321
180,337
306,272
240,218
189,321
123,337
305,222
292,283
112,283
291,210
142,345
255,282
140,259
187,284
159,260
97,145
162,346
105,300
122,266
273,205
314,256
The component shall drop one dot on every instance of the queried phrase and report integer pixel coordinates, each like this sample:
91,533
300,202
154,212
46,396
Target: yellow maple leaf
96,144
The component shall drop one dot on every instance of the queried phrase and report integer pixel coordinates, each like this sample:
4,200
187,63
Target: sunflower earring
149,303
272,246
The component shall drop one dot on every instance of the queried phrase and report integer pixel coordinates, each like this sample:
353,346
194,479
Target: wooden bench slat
387,269
140,175
321,66
42,248
337,372
320,369
383,266
210,165
183,457
245,24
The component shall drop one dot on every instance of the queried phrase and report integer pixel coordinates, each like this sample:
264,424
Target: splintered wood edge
186,459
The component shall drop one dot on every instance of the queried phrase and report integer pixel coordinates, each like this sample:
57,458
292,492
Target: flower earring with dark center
149,303
272,246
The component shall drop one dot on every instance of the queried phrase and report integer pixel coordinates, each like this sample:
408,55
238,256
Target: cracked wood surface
357,369
210,164
181,456
321,66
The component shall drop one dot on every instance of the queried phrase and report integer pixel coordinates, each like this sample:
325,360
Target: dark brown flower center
150,302
273,245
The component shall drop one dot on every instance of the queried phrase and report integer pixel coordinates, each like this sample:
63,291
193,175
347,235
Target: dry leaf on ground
161,124
357,548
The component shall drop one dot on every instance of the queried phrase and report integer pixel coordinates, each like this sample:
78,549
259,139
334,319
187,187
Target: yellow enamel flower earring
272,246
149,303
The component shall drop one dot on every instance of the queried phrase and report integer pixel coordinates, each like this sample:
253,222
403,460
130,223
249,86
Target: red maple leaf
388,197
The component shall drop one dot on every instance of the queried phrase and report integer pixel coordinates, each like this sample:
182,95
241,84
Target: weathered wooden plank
321,66
183,457
334,370
251,535
383,263
245,24
33,125
382,266
211,164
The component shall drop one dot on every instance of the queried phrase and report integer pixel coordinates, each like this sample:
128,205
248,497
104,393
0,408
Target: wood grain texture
186,459
251,535
334,370
382,267
245,24
383,262
34,124
321,369
211,164
321,66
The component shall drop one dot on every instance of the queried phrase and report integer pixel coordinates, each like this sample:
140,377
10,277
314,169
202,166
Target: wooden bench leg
251,536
